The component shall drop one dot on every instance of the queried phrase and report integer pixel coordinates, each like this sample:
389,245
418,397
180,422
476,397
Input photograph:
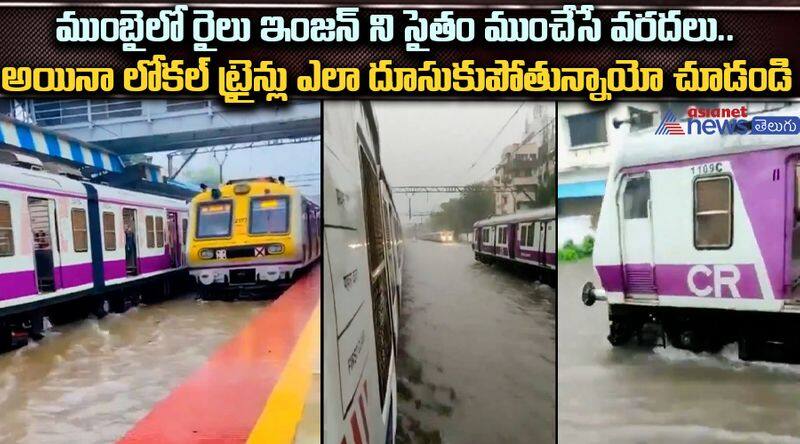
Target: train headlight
206,253
275,248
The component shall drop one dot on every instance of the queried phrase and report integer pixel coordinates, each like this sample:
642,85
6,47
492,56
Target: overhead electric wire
494,139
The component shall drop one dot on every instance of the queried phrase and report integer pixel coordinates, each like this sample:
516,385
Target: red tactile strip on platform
221,402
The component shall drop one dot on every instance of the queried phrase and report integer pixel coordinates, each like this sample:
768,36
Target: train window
713,212
80,235
376,238
150,229
523,235
502,235
6,230
530,235
269,215
636,197
213,219
159,232
109,231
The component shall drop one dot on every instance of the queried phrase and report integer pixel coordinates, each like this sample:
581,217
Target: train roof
259,186
519,216
647,148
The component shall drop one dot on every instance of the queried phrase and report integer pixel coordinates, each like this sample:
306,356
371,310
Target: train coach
438,236
251,233
698,240
363,270
66,243
526,238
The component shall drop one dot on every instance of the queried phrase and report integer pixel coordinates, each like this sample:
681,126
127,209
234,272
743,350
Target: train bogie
363,264
701,237
438,236
63,245
525,240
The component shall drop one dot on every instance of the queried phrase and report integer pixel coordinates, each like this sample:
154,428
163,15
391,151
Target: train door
636,237
308,243
184,237
47,260
549,247
131,246
174,244
538,241
511,233
794,265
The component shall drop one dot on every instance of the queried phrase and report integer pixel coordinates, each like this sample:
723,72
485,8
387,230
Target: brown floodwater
90,381
662,394
477,351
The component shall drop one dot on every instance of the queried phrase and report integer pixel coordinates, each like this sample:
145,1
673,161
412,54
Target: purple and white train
698,240
68,241
525,238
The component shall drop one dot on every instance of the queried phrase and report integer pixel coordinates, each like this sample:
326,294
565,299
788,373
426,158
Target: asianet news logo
725,121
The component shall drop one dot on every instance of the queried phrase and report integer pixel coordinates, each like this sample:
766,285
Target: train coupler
590,294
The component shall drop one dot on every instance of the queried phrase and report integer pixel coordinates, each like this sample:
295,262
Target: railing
63,112
174,105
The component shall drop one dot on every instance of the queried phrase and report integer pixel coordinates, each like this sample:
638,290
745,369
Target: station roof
33,138
106,166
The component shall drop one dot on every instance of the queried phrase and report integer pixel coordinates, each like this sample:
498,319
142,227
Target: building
587,141
528,166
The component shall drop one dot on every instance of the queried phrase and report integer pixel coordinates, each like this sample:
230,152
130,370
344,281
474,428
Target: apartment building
527,167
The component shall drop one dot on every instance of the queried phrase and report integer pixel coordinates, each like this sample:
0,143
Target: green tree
458,214
208,175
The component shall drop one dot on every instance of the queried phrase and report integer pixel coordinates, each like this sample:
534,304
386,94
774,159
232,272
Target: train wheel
37,327
166,289
690,340
746,348
101,308
5,338
619,333
120,304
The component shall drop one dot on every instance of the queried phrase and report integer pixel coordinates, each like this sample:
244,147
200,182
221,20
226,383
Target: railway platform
260,387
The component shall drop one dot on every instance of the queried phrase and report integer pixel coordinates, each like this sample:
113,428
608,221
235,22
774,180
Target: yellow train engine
251,233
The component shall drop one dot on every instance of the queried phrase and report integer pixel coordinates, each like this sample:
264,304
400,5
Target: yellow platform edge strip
278,421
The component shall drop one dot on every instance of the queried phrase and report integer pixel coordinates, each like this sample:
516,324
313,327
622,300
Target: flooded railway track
89,381
477,351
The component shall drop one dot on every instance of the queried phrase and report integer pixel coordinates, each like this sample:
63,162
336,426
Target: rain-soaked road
477,351
90,381
664,394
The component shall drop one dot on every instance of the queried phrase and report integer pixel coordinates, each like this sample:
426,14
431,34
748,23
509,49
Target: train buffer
260,387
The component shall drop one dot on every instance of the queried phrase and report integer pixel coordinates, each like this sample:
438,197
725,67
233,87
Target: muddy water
477,351
662,394
91,381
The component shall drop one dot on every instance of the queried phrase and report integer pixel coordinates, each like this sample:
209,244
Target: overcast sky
281,160
435,143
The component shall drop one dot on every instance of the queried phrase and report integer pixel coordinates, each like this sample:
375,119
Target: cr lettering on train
722,276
